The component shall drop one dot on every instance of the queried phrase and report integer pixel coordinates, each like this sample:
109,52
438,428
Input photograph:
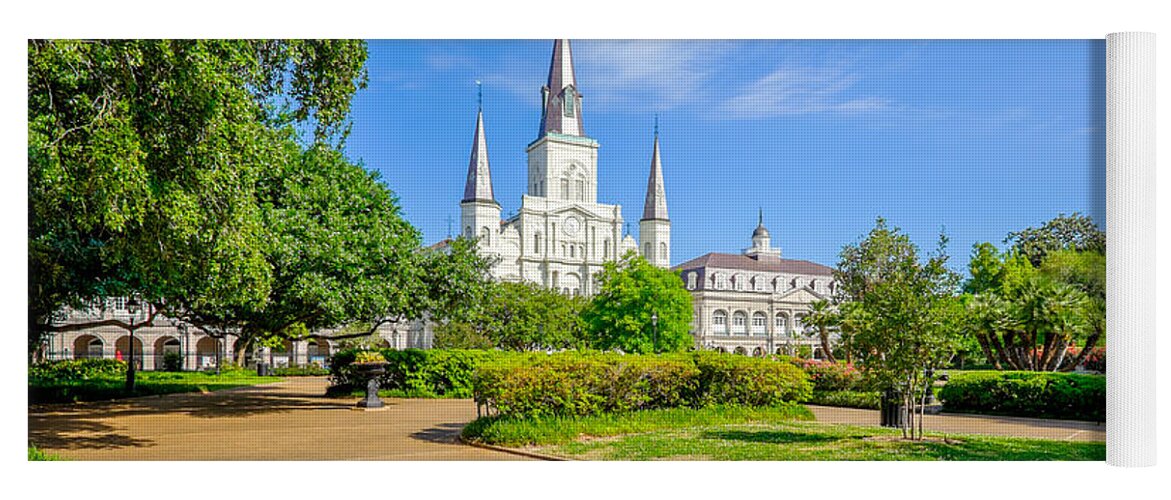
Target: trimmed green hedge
1027,394
581,382
574,384
868,400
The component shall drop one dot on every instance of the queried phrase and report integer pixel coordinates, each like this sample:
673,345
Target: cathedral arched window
662,250
468,232
580,190
537,243
565,189
485,235
646,250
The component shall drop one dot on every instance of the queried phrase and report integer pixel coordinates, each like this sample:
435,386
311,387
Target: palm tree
824,317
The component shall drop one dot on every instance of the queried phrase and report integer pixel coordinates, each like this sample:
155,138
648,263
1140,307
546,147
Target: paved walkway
289,420
950,423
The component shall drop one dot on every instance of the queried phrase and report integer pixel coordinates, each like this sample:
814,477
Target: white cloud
797,90
647,75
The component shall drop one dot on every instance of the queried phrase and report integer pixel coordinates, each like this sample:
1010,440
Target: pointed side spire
655,206
562,102
479,185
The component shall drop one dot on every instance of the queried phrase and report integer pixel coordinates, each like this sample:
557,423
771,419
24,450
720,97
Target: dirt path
289,420
950,423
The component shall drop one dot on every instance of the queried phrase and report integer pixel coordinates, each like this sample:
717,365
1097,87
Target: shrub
591,383
748,381
869,400
417,373
1027,394
77,369
172,362
828,376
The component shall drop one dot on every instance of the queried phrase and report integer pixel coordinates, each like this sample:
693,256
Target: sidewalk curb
514,451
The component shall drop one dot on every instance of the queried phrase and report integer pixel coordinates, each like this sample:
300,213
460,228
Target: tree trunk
987,348
825,345
1091,342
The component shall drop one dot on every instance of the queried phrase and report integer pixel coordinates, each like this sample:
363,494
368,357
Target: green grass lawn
752,434
35,455
147,383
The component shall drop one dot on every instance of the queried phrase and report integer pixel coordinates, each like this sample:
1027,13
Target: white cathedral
561,235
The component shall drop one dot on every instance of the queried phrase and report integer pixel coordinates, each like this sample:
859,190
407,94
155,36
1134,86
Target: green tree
144,158
1026,317
632,292
1073,232
340,255
824,318
904,314
517,317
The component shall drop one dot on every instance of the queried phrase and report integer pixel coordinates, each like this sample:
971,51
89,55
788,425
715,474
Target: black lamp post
183,344
655,330
132,308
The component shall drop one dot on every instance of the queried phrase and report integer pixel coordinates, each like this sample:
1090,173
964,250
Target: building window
485,235
691,277
606,249
537,243
720,321
565,189
759,324
739,323
662,250
646,250
782,324
580,190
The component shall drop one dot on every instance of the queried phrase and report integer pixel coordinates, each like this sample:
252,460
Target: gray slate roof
745,263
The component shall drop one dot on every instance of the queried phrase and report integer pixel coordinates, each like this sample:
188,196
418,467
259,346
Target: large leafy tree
1073,232
631,293
902,311
517,317
340,255
144,160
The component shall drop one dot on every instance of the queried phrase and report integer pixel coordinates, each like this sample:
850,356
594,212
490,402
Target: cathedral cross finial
479,95
656,124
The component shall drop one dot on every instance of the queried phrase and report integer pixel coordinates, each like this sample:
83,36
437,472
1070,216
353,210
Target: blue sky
980,137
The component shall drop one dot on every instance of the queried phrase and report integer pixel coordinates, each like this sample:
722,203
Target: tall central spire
479,185
562,102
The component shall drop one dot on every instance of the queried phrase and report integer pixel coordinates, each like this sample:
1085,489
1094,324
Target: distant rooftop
746,263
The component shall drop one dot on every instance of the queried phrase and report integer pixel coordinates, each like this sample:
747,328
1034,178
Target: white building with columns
754,302
562,234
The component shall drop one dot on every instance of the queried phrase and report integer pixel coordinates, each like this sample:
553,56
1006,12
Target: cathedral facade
562,234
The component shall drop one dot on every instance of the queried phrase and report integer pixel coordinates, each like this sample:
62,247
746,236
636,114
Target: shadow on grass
770,437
